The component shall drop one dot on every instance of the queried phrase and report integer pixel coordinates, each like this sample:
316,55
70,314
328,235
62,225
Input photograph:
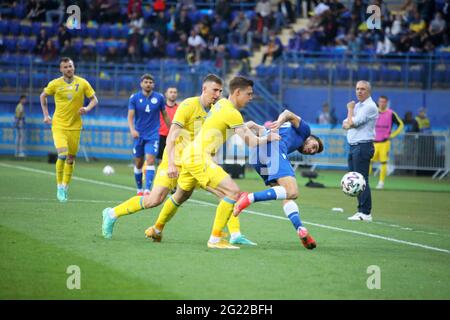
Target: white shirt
364,119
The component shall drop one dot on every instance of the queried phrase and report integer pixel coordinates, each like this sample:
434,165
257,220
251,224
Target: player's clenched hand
172,171
83,110
351,105
134,134
47,120
276,124
273,136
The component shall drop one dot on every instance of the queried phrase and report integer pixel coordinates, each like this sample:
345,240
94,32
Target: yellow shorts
202,173
69,139
161,178
381,151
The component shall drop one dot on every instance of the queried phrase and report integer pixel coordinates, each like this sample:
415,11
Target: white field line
365,234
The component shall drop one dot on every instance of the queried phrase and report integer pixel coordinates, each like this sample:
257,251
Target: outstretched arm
286,116
255,128
251,139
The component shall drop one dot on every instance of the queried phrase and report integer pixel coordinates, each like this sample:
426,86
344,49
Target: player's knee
292,194
150,161
233,193
70,159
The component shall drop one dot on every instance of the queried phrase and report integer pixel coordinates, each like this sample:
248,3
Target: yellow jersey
215,130
69,98
190,116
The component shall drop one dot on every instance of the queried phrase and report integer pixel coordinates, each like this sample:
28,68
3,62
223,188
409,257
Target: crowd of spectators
418,26
193,33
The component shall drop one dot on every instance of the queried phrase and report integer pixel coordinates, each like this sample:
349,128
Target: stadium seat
14,28
36,28
4,27
106,84
39,80
116,32
10,44
8,79
104,31
171,50
26,29
93,32
100,48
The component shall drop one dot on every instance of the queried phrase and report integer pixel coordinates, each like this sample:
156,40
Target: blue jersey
293,138
271,160
147,110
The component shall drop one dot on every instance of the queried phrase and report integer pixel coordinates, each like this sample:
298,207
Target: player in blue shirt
144,108
272,164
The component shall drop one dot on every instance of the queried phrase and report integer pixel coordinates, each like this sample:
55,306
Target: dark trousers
162,146
359,161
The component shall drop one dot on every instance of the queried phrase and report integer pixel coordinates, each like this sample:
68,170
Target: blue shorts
271,162
142,147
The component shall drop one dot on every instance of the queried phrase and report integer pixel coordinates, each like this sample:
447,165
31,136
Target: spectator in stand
109,11
160,23
41,41
159,5
135,35
284,14
186,5
49,53
219,28
182,46
264,9
325,115
204,27
157,45
67,50
223,9
36,11
112,55
134,6
410,123
274,48
358,11
437,29
423,121
196,45
63,35
182,22
240,29
54,8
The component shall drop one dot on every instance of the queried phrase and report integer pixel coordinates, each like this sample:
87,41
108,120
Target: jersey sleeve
181,115
234,119
162,104
303,129
88,90
50,89
132,102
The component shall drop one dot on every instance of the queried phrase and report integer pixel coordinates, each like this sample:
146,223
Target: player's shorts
203,173
141,147
381,151
271,163
69,139
161,178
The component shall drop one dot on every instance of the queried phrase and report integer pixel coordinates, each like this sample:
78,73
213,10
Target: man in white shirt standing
360,126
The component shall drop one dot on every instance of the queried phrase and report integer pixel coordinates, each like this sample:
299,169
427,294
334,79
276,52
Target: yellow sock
68,169
223,213
234,225
168,210
130,206
59,170
370,168
383,172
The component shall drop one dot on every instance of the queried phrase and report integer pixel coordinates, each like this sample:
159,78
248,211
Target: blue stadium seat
171,50
193,16
115,32
234,51
24,80
127,83
416,73
93,32
342,72
100,48
36,28
363,73
14,28
106,84
20,11
8,79
105,31
10,44
26,29
4,27
39,80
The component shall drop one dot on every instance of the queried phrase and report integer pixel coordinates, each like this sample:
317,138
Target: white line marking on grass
365,234
55,200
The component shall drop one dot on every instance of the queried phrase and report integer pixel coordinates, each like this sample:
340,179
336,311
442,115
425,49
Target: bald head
363,90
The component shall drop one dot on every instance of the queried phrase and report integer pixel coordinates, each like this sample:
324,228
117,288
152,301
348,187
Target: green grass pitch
40,238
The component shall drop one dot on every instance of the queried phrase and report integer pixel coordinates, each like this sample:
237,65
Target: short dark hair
64,59
240,82
319,142
147,76
23,96
384,97
213,78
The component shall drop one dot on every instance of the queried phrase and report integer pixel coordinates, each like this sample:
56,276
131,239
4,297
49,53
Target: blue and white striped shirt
364,120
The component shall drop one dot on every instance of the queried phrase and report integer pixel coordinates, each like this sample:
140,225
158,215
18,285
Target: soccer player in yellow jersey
384,132
186,123
198,166
69,92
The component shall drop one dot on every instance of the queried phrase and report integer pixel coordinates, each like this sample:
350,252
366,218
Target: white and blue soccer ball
108,170
353,184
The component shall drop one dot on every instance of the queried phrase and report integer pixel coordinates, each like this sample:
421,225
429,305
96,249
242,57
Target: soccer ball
353,183
108,170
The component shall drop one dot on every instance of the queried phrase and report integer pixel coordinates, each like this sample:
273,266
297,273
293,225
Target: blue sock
138,177
275,193
292,212
149,174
